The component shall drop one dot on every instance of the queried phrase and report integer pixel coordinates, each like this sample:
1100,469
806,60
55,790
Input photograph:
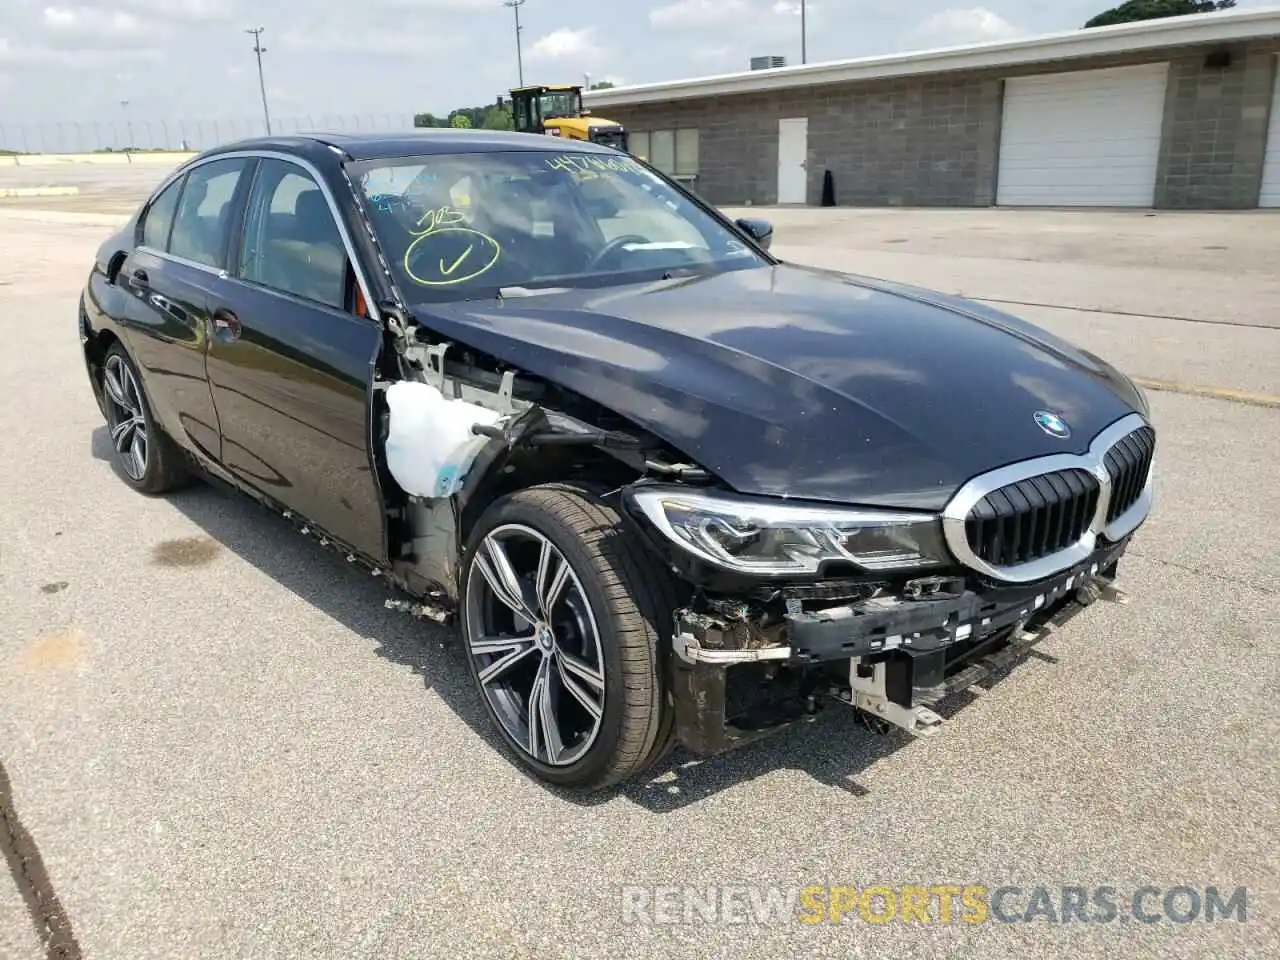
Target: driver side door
291,361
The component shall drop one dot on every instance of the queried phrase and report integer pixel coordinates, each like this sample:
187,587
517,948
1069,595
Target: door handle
226,324
140,277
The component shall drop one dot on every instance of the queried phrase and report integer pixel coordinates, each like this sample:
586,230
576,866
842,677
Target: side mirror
761,231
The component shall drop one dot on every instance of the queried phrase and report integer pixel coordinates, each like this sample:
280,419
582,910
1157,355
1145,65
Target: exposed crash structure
668,488
748,658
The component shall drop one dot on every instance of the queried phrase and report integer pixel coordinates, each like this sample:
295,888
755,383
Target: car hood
805,383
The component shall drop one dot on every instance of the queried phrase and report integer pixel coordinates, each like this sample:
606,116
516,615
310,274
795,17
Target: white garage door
1089,138
1271,170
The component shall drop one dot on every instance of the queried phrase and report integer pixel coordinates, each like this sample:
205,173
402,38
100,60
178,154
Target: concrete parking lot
110,188
217,742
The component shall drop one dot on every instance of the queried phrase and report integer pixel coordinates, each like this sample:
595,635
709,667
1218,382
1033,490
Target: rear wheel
564,618
148,459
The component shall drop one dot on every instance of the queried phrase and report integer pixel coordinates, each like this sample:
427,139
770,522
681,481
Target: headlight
764,537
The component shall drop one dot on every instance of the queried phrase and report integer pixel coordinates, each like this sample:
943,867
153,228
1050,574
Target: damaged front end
506,430
750,656
742,668
783,606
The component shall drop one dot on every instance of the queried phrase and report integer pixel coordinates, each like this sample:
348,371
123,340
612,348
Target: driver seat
509,211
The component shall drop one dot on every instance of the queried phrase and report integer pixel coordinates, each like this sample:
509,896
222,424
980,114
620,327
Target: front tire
148,460
564,615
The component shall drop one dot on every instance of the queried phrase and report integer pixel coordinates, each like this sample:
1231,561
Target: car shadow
832,747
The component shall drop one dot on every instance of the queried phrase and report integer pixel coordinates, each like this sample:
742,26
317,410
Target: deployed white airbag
430,446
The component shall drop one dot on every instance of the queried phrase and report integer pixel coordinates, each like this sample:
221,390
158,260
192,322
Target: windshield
462,226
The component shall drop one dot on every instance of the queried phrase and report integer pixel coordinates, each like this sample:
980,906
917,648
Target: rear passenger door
173,271
291,363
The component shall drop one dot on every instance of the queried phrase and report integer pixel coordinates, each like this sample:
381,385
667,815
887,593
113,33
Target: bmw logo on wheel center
1052,424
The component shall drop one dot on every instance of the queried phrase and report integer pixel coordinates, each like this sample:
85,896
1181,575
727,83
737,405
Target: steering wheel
613,246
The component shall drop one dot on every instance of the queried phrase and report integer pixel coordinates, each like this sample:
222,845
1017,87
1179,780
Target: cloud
283,95
91,21
179,11
413,31
968,25
78,59
698,13
712,54
337,37
566,43
451,6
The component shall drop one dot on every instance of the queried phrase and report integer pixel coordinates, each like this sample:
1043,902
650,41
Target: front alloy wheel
564,618
535,643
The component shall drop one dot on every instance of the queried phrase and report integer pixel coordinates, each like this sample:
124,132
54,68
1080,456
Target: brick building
1182,112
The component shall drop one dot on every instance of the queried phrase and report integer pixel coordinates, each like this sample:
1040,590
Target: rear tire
603,714
147,459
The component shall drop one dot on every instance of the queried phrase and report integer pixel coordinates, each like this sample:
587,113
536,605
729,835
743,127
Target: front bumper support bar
918,653
928,625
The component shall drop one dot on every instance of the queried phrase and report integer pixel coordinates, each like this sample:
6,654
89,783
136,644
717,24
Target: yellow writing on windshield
446,251
434,220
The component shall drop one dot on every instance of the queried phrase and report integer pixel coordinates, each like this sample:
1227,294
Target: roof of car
430,140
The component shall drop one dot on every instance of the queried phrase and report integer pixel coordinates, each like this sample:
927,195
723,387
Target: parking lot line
1218,393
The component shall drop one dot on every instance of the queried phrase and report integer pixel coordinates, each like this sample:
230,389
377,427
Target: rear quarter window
158,219
202,226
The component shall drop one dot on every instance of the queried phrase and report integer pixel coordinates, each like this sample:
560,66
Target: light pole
259,50
515,5
804,36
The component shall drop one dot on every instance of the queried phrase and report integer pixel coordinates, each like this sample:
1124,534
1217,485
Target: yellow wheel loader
556,110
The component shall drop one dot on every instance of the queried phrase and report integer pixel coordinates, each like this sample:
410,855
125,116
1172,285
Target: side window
524,116
159,217
203,223
291,241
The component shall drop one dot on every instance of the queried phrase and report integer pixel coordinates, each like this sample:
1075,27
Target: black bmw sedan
670,489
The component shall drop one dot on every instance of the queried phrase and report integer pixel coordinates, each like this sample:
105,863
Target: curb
39,191
171,158
67,217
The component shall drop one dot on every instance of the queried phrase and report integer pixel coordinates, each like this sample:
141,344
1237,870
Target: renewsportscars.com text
933,904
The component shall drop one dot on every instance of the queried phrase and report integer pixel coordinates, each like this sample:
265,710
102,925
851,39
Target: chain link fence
129,133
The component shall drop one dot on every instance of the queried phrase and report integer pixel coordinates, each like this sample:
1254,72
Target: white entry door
793,155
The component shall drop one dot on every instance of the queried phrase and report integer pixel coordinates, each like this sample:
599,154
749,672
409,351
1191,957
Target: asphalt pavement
220,744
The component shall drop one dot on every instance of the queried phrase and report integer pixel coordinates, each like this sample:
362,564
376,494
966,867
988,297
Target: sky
77,60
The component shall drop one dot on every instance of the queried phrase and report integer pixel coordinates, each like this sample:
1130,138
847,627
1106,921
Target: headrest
311,213
193,194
